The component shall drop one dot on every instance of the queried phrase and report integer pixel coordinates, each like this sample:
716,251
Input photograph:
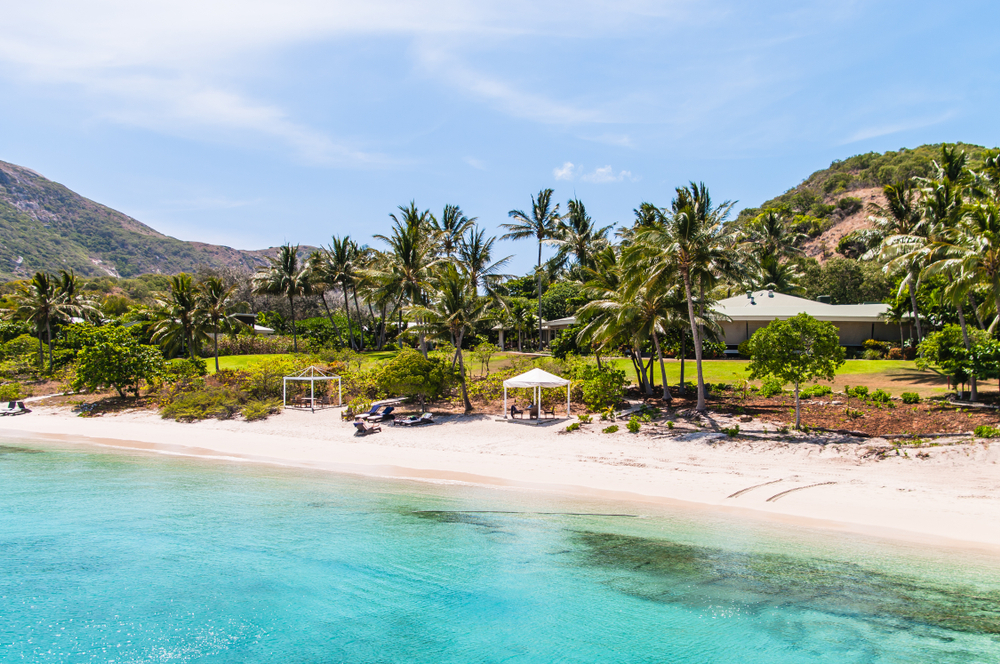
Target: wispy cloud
875,131
605,175
478,164
564,172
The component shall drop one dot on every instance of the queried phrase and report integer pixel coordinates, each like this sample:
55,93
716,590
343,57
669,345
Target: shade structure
311,374
536,378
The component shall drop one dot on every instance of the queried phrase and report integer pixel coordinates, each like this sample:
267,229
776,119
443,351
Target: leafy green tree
45,300
412,375
562,299
112,357
946,350
795,351
543,225
285,277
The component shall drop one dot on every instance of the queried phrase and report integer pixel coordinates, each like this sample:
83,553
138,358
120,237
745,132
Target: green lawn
238,361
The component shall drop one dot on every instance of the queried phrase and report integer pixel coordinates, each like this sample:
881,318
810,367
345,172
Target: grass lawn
237,361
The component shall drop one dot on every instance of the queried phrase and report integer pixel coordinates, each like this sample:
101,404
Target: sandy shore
951,496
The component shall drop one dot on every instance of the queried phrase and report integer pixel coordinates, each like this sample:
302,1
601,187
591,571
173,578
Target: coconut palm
452,309
475,257
687,245
283,276
543,225
412,252
337,267
579,238
770,234
779,276
180,327
450,229
215,301
42,301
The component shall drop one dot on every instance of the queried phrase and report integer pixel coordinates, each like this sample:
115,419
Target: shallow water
111,556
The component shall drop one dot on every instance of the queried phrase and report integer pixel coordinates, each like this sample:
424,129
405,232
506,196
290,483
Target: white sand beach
949,495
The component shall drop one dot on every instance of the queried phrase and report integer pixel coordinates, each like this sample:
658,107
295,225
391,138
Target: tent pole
567,399
284,393
312,394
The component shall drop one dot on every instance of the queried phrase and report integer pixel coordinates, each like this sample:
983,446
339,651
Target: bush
259,410
12,392
880,396
253,344
114,358
185,368
770,387
203,402
410,374
859,392
602,387
611,429
670,424
732,431
895,354
633,424
987,431
573,427
816,391
872,354
584,419
910,397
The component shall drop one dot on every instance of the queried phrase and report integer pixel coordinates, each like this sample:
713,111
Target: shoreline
950,498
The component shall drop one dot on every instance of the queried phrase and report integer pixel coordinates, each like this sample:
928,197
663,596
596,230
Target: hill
46,226
832,203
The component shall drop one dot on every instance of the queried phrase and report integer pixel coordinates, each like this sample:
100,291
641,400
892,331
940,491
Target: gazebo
312,374
536,378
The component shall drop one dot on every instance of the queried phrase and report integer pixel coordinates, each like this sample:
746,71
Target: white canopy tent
311,374
536,378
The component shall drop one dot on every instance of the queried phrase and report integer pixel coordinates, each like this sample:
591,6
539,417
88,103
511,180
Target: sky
252,123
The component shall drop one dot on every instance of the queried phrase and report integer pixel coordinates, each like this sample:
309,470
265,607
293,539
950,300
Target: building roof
558,323
767,305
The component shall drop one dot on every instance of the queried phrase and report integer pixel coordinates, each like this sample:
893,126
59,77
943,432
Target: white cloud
564,172
606,174
478,164
894,128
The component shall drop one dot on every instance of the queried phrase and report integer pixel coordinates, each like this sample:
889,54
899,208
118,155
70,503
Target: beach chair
21,410
549,411
11,409
371,413
365,429
383,416
515,412
425,418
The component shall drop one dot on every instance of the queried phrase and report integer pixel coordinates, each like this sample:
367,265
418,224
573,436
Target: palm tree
475,257
543,225
770,234
284,277
898,229
578,237
180,326
215,300
687,245
41,301
450,229
338,267
322,282
774,274
412,257
452,310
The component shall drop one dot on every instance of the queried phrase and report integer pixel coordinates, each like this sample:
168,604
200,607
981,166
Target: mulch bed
926,417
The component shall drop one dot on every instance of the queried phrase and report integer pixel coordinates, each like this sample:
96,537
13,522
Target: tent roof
312,372
536,378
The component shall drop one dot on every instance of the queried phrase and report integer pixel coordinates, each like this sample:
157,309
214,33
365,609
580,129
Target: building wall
851,333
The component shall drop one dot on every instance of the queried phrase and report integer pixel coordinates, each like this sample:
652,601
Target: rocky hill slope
832,203
45,226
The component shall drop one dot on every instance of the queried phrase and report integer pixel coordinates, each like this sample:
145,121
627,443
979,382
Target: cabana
312,374
537,379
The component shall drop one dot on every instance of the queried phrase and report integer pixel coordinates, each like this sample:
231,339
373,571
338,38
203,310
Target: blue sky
253,123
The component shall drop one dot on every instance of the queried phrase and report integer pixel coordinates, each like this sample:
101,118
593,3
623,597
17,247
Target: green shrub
987,431
670,424
611,429
184,368
584,419
816,391
204,402
732,431
259,410
573,427
633,424
770,387
880,396
910,397
12,392
872,354
858,392
602,387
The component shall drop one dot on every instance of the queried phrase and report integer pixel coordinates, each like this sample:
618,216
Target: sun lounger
14,408
371,413
425,418
365,429
383,416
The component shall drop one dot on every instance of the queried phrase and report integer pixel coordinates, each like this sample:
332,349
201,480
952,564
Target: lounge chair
515,411
365,429
383,416
549,411
371,413
425,418
12,409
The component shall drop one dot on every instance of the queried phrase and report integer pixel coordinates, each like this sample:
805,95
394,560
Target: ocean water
116,556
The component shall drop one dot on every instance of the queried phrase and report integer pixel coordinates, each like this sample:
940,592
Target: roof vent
770,293
749,295
824,299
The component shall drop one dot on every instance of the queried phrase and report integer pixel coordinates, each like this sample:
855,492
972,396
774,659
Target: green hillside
45,226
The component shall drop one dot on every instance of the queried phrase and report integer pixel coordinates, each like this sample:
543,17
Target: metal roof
767,305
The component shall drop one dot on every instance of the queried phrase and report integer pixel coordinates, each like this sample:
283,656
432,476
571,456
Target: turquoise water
111,556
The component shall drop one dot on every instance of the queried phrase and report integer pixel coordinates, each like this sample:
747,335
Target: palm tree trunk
48,335
975,310
215,339
663,369
684,341
697,342
913,304
41,351
461,370
357,310
973,392
329,314
347,310
295,334
538,274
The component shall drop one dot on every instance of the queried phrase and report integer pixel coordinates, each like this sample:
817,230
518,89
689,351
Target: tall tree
450,229
284,276
42,301
579,238
180,327
543,225
215,300
475,257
